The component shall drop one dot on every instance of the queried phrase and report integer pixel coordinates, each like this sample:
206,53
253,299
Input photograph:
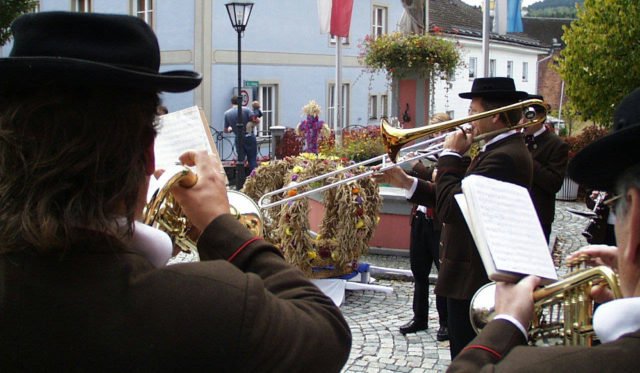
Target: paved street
374,317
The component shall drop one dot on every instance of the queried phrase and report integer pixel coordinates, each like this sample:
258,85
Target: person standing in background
250,144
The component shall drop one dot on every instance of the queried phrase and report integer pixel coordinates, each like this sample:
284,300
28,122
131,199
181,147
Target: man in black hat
606,164
504,157
550,156
78,99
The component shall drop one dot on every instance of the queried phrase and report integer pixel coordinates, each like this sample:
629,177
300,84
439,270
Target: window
82,6
373,107
268,97
509,69
332,106
492,68
525,71
451,114
384,105
143,9
379,21
473,66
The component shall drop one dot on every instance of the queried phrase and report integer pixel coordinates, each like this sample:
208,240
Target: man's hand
599,255
207,199
458,141
516,300
394,176
228,129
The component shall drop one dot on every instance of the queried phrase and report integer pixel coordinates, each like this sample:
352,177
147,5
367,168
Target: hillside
553,8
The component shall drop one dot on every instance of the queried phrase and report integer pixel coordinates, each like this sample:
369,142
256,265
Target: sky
480,2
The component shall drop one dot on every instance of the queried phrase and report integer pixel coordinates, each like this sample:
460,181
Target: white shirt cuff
449,152
515,322
414,186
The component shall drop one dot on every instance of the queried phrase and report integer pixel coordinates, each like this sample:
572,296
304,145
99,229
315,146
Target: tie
531,142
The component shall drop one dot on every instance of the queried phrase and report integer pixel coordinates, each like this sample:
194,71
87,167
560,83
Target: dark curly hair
71,157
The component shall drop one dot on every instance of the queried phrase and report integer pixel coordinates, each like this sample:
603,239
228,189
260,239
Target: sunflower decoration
351,215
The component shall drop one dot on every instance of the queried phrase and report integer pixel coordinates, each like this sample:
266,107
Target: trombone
395,139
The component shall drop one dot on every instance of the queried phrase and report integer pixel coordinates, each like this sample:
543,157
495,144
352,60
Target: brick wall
550,82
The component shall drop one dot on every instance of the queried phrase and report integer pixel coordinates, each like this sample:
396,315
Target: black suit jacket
461,270
550,156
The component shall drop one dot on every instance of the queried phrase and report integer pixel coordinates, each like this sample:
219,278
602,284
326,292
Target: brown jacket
501,348
550,156
101,307
461,270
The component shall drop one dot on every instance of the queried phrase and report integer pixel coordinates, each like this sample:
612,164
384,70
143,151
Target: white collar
153,244
498,138
539,132
616,318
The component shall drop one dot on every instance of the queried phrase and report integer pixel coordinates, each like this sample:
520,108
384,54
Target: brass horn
164,213
394,139
563,311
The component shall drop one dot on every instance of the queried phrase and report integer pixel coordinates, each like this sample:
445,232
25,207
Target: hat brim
600,163
516,95
27,71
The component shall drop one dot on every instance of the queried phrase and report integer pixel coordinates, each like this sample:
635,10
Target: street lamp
239,15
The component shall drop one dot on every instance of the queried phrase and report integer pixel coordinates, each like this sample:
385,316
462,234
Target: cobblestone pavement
374,317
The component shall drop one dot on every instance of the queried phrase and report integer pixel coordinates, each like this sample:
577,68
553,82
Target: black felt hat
497,88
600,163
88,49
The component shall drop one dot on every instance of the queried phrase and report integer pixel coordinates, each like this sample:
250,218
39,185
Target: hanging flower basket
400,54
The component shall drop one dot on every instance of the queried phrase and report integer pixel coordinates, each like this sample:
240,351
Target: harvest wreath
350,218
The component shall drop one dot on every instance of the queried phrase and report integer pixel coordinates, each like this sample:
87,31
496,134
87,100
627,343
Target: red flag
341,17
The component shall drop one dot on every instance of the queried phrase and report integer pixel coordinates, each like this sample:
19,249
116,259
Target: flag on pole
507,16
335,16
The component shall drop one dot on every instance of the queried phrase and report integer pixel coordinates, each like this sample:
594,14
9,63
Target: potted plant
399,54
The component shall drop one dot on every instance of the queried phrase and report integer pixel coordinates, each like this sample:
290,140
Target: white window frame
379,22
510,69
146,13
492,68
473,68
268,98
80,6
525,71
346,89
373,107
384,106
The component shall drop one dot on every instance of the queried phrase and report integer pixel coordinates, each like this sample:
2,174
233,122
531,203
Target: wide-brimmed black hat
88,49
497,88
600,163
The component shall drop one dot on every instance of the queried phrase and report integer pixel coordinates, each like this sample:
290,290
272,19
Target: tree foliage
10,10
600,63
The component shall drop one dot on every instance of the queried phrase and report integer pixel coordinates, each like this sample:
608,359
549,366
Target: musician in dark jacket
550,156
503,157
501,346
78,99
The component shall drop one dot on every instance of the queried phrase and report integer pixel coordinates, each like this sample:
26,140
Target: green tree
10,10
600,63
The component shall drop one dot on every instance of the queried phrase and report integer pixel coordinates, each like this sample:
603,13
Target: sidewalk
374,318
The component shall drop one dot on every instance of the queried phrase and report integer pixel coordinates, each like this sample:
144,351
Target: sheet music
505,216
180,131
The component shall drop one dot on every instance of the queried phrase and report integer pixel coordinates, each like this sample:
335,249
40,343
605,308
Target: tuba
563,311
164,213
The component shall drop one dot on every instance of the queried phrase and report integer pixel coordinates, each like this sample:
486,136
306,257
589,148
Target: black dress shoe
413,326
443,334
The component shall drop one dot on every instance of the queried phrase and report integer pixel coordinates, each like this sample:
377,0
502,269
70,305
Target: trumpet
563,311
395,140
164,213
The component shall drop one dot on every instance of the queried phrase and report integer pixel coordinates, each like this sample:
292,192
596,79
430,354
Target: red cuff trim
244,245
496,354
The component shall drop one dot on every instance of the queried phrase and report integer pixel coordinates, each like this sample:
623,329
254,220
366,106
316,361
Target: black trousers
423,252
460,330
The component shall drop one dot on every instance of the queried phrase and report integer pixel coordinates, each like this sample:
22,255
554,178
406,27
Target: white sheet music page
180,131
504,215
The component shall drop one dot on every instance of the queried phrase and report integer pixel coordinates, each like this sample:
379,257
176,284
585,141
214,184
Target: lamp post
239,13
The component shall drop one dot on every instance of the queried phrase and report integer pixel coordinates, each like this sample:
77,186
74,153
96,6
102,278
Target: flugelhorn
164,213
396,139
563,311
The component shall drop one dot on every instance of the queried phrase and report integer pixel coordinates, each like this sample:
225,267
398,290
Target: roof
548,30
455,17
